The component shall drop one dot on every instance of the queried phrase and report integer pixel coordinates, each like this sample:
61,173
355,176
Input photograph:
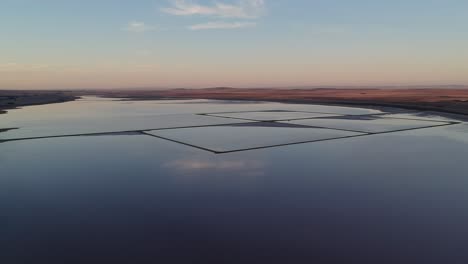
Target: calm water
387,198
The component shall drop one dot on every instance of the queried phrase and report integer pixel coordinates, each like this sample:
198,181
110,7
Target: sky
65,44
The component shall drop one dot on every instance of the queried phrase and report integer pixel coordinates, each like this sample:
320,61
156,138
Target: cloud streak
222,25
138,27
17,67
245,9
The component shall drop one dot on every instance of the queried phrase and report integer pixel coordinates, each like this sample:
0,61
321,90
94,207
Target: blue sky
242,43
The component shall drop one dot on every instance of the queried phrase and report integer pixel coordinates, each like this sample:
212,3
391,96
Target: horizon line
398,86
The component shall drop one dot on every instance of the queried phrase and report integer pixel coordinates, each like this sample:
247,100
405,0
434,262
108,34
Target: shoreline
391,108
448,103
452,103
16,99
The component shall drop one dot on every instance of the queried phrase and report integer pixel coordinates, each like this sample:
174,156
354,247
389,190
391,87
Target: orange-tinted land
443,100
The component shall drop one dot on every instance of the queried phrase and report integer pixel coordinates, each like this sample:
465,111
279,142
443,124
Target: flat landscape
449,100
12,98
267,182
233,132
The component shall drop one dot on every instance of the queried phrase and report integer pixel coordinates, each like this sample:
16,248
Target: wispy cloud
138,27
247,9
12,67
222,25
329,30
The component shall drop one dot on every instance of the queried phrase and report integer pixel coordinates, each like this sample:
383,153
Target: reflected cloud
246,167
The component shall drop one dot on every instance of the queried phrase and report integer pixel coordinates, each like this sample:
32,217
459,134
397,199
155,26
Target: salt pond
384,198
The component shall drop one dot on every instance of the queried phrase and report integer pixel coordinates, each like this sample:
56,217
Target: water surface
388,198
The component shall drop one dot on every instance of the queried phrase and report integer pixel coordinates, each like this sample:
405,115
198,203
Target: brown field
443,100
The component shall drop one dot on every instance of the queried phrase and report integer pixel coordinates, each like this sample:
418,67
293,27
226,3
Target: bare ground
453,101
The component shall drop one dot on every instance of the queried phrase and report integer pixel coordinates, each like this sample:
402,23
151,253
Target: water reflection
390,198
218,165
